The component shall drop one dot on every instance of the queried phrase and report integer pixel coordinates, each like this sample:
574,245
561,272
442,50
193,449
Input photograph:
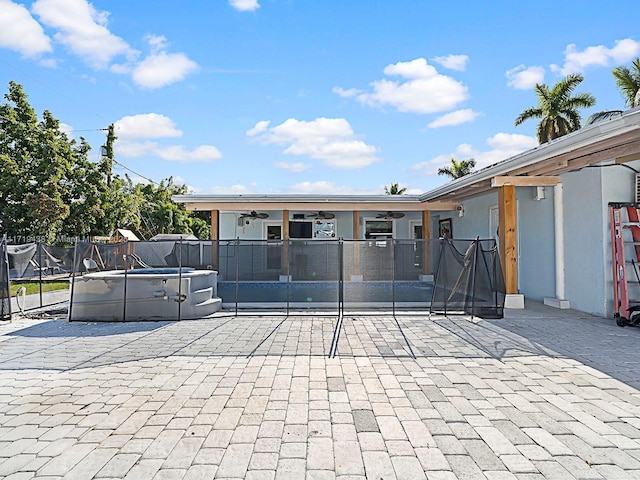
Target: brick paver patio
540,394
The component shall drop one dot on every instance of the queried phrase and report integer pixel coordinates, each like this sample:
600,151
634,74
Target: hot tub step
209,306
202,295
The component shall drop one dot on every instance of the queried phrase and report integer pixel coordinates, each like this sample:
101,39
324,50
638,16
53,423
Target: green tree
557,108
37,161
628,82
160,214
394,189
458,169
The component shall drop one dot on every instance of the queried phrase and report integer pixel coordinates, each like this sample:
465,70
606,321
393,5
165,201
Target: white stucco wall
535,236
254,229
588,274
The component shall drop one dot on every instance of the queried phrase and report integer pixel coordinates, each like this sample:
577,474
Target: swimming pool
311,294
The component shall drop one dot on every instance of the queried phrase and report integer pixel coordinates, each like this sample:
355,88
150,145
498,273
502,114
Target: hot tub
151,294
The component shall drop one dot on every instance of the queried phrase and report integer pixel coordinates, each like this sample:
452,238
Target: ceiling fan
390,215
322,215
253,214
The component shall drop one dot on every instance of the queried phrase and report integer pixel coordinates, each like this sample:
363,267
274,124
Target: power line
134,172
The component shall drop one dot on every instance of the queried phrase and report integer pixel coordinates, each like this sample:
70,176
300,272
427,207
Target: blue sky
307,96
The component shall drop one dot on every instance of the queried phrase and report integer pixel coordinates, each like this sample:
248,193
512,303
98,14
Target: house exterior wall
588,274
536,251
536,244
254,230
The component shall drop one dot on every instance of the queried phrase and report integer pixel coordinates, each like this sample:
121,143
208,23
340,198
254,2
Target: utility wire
134,172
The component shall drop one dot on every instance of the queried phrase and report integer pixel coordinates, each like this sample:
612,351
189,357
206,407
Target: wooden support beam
426,244
215,236
285,224
628,158
356,225
507,215
525,181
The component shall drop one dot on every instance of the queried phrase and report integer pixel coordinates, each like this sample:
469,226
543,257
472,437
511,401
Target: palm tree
557,108
394,189
628,81
458,169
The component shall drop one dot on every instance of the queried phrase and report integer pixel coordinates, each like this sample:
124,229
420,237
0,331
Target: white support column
558,214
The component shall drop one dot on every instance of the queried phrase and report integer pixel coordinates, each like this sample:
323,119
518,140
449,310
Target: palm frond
602,116
528,114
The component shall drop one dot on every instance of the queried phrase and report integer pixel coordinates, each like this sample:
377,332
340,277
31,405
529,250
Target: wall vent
637,199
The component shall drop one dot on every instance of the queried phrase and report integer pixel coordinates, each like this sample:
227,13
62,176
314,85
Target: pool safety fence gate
47,267
335,275
5,291
469,281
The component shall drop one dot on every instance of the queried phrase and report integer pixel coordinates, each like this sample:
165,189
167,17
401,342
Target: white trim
374,219
412,225
270,223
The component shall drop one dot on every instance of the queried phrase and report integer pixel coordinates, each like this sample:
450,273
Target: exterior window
378,229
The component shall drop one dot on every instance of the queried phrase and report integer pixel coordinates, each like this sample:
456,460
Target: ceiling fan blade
262,215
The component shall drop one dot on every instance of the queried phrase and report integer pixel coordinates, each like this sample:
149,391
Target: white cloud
502,146
325,187
351,92
155,126
576,61
66,128
129,149
146,125
421,90
330,140
161,69
178,153
233,189
293,167
453,62
174,153
20,32
245,5
260,127
454,118
524,78
156,42
83,30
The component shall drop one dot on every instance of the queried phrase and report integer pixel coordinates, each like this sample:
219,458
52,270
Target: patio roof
310,203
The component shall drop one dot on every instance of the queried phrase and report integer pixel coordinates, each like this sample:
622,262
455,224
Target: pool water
309,292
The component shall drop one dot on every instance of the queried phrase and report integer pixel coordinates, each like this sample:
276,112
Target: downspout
558,218
558,213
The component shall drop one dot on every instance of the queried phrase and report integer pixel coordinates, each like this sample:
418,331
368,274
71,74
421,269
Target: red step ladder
626,311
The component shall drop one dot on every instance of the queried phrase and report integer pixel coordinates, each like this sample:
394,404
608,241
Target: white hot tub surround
151,294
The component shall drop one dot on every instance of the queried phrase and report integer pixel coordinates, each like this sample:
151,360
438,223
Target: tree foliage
394,189
50,189
557,108
628,82
458,169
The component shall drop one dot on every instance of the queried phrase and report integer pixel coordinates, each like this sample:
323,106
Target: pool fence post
393,276
39,250
124,299
73,277
288,270
340,276
180,278
473,276
237,257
